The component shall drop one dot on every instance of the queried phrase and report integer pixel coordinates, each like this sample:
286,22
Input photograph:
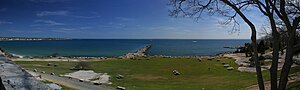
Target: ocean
118,47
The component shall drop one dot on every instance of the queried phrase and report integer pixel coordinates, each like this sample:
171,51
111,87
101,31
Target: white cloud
113,25
25,31
5,22
3,9
63,13
48,22
87,27
124,18
52,13
71,30
66,30
87,17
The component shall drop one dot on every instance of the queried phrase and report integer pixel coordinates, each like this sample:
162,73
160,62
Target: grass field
156,73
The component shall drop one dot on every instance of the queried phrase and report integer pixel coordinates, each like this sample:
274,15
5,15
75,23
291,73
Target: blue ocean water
118,47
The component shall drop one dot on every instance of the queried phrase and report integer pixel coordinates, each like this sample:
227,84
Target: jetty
139,53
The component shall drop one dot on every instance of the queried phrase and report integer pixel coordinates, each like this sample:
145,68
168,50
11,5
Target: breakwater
138,53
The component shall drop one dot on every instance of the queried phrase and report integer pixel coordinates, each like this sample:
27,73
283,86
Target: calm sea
118,47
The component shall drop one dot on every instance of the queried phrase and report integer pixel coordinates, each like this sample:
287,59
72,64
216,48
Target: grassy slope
156,73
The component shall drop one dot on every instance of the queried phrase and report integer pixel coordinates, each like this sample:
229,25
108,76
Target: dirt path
292,79
73,83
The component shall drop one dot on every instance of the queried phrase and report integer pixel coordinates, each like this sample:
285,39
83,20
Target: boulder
230,68
119,76
55,65
268,56
199,59
121,88
34,70
175,72
226,65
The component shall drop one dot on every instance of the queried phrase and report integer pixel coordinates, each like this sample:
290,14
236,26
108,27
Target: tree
261,47
229,9
284,12
248,49
288,12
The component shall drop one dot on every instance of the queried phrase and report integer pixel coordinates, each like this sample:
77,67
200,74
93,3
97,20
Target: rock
49,64
54,86
226,65
34,70
52,73
175,72
97,83
119,76
43,72
121,88
199,59
230,68
55,65
80,80
268,56
248,69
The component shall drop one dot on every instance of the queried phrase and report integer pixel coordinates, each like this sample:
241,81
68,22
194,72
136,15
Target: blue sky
108,19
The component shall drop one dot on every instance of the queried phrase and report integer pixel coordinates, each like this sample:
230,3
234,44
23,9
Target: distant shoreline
127,54
28,39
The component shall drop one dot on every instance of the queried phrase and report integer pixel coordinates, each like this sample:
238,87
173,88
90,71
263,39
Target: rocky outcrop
16,78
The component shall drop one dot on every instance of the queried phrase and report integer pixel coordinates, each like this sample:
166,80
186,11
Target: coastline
139,53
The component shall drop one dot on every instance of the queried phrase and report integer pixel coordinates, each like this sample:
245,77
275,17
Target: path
294,78
73,83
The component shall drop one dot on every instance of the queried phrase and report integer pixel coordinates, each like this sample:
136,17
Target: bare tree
279,13
289,12
226,8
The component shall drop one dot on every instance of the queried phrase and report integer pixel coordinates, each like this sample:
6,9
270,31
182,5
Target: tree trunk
254,43
276,42
289,56
257,62
287,65
1,85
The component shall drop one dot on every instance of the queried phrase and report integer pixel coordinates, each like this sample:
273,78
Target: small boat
194,41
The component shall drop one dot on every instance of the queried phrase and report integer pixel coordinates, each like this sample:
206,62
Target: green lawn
156,73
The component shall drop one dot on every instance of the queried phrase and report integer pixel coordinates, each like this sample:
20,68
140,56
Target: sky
109,19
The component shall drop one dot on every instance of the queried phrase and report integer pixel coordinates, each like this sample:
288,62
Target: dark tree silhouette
286,12
261,47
